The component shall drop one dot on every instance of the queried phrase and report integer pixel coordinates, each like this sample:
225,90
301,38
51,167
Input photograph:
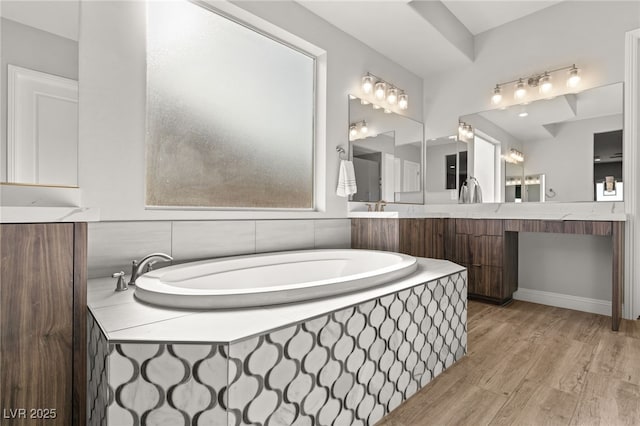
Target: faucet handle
120,285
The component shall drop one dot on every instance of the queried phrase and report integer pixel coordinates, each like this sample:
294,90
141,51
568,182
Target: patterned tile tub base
348,367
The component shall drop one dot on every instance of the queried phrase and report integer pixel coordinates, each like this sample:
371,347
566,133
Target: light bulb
523,114
497,95
353,131
392,96
367,84
380,90
545,84
468,131
521,90
403,101
363,128
574,77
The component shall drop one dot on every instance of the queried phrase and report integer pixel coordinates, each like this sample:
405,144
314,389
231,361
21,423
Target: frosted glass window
230,114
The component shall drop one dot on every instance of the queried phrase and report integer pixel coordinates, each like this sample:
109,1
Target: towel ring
340,150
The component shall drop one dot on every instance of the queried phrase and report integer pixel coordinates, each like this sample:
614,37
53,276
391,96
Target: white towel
464,194
476,195
346,179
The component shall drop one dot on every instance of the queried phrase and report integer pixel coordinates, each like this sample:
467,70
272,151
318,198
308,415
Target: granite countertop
125,319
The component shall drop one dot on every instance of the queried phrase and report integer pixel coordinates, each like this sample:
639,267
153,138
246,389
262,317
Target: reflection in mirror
39,142
571,146
387,154
442,170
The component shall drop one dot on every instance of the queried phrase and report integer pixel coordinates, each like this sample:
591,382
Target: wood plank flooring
530,364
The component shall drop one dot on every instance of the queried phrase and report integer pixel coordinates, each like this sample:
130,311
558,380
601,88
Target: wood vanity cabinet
43,323
481,245
422,237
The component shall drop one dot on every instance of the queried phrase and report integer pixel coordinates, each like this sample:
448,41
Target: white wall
588,33
567,159
112,104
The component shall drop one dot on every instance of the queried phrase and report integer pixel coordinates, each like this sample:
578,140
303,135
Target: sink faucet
138,266
380,205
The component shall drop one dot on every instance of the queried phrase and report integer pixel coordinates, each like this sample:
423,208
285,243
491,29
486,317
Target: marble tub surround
608,211
124,319
346,360
113,245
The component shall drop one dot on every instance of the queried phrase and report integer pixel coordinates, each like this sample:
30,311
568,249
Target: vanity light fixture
358,130
465,131
392,96
545,84
403,101
515,156
574,77
367,84
543,81
384,92
497,95
520,91
380,90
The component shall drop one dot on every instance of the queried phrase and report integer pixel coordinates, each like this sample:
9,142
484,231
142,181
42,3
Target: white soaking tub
270,278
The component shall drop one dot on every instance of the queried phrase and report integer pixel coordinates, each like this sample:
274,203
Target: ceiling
57,17
436,29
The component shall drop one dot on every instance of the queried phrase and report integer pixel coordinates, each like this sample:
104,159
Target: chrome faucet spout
137,267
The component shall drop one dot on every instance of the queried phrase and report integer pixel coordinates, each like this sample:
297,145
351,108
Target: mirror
387,152
571,146
39,143
443,165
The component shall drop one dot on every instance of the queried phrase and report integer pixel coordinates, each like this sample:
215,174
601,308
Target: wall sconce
514,156
465,131
358,130
542,81
384,91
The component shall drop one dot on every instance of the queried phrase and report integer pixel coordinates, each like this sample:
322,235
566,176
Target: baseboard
595,306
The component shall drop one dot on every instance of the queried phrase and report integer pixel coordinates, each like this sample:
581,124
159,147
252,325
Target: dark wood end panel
37,318
79,324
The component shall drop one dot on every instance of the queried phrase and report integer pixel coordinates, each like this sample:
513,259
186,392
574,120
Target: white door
42,140
411,176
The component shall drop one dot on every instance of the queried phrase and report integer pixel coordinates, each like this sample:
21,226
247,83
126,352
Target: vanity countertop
601,211
22,214
125,319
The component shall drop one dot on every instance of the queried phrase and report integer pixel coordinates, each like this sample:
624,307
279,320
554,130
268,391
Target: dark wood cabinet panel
43,320
463,250
412,237
37,318
587,227
487,250
375,234
434,238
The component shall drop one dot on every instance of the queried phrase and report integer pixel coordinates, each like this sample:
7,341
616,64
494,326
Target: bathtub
270,278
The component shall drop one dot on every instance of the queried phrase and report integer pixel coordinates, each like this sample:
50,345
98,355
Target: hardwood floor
530,364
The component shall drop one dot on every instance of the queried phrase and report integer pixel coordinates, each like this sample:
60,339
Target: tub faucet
137,267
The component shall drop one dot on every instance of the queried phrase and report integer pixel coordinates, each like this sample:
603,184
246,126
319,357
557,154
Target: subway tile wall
113,245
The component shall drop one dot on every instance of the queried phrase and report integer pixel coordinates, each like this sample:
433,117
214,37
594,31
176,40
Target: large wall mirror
39,142
230,113
387,152
564,149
